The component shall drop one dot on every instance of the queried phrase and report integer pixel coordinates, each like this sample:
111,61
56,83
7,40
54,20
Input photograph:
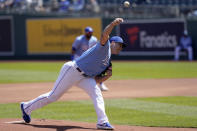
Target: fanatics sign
151,36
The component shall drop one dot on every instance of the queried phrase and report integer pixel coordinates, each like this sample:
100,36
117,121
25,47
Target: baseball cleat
26,117
105,126
103,87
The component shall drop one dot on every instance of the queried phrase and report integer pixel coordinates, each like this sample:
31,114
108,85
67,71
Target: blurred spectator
9,3
95,6
192,13
29,3
40,9
40,3
54,5
185,44
64,5
2,4
35,5
77,5
18,3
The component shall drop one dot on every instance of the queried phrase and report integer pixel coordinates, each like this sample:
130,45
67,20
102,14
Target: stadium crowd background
104,8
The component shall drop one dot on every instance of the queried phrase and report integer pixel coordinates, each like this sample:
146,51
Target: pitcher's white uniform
80,72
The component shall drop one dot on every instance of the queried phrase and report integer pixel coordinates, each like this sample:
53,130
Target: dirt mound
11,93
60,125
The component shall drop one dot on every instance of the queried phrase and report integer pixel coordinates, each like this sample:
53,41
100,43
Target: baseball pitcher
83,72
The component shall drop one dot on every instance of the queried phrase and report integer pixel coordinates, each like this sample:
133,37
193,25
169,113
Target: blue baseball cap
117,39
88,29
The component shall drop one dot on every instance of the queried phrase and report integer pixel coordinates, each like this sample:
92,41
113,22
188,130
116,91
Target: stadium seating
152,2
141,8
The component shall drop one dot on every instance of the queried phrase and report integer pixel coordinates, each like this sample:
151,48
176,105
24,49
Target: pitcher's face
116,47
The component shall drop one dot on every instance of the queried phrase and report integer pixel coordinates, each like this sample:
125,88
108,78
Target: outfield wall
50,37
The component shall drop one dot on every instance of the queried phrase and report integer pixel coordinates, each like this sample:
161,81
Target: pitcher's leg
90,86
103,87
63,83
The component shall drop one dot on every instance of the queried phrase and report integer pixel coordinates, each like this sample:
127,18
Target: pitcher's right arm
108,29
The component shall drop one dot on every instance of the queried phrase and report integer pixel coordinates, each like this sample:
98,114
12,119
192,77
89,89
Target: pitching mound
117,89
60,125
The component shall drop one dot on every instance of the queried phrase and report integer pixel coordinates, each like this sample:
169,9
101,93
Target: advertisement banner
55,36
6,46
157,37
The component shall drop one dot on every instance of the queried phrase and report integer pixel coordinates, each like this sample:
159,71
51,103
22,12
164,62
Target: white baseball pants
177,53
68,77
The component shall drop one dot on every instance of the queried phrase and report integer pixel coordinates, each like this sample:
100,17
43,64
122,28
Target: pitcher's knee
52,98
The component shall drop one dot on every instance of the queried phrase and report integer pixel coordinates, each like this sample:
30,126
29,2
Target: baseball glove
104,72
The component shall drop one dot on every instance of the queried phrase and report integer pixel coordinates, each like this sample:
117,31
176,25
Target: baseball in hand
126,4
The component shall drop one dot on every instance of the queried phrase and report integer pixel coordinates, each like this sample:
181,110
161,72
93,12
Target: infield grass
16,72
160,112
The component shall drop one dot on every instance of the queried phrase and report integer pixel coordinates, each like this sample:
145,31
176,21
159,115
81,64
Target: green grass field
48,71
162,111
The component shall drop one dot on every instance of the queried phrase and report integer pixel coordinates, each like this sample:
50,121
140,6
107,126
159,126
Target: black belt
81,71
